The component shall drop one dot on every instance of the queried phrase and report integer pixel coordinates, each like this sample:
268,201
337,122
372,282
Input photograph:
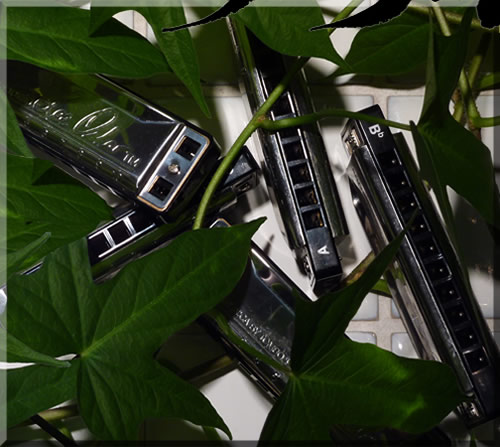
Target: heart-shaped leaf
337,381
116,327
58,39
286,30
10,131
17,351
21,258
67,210
36,388
383,49
178,47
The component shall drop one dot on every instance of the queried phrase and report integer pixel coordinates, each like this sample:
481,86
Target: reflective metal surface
115,138
296,165
436,303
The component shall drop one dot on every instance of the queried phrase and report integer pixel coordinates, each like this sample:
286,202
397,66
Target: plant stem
489,81
463,80
313,117
346,12
490,121
474,66
453,17
56,414
474,118
478,58
235,149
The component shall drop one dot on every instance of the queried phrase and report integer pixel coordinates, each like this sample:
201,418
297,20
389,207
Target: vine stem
453,17
313,117
56,414
259,116
489,81
474,118
474,66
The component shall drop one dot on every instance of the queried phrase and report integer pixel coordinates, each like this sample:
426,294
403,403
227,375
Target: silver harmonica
138,231
110,135
442,316
296,165
260,311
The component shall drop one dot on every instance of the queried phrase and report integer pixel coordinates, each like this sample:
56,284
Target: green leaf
178,48
451,154
361,384
67,211
12,134
57,39
18,260
367,386
100,15
286,30
384,49
17,351
37,388
116,327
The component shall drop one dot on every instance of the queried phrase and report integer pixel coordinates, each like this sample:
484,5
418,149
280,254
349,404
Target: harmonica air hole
446,291
289,132
437,270
407,203
161,188
466,337
119,232
419,226
312,219
388,159
282,106
270,82
427,247
456,315
477,360
397,180
300,174
98,244
140,221
306,196
188,148
294,151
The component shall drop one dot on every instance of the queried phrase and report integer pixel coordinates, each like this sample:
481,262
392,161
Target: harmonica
138,231
297,169
113,137
260,311
441,314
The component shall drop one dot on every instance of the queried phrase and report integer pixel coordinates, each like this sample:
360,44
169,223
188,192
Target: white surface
401,345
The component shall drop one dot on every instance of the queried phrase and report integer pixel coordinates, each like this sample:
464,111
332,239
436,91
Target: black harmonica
110,135
442,316
297,168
